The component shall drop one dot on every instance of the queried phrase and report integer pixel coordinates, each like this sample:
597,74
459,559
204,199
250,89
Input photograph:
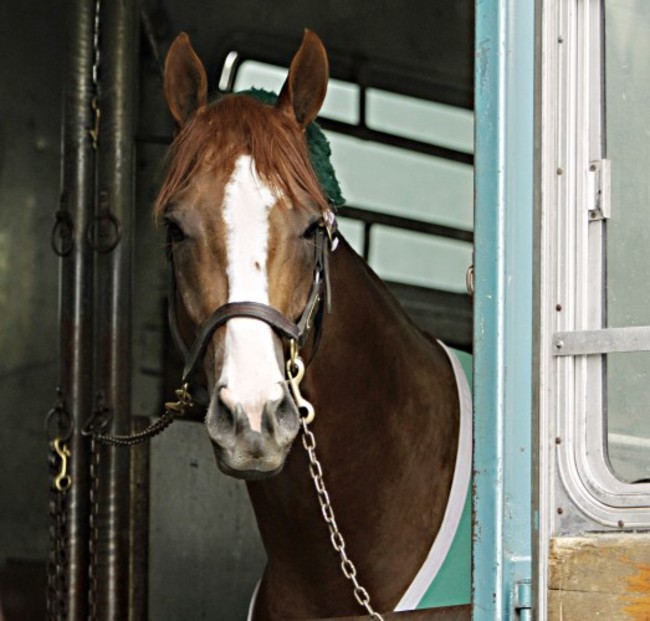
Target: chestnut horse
252,234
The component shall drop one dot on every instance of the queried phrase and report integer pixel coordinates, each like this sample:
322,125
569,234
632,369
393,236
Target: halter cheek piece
324,241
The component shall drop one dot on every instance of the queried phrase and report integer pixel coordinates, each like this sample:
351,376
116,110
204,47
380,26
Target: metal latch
598,190
524,600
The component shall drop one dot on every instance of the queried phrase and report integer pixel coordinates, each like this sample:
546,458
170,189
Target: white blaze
250,372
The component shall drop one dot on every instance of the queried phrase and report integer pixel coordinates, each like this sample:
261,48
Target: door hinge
598,190
523,600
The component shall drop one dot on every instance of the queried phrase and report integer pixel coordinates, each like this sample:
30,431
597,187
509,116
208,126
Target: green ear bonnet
319,151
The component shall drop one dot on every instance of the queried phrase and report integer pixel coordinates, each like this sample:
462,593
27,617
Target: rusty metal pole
75,291
112,235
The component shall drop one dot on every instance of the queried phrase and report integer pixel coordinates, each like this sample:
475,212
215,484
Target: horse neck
375,368
386,421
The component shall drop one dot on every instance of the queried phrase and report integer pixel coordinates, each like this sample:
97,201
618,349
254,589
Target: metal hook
184,401
62,481
293,352
469,280
295,373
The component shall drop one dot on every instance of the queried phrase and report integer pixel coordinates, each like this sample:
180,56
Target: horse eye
174,232
311,229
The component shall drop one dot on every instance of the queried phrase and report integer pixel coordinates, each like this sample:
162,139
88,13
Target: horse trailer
493,157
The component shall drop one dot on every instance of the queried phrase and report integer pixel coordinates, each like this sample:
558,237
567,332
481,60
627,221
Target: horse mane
236,125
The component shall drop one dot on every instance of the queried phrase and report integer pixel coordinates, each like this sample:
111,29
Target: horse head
242,207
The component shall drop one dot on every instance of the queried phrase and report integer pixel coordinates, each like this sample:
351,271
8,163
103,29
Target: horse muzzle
247,453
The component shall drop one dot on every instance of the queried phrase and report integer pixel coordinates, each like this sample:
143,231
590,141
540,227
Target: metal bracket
605,341
228,73
524,600
599,196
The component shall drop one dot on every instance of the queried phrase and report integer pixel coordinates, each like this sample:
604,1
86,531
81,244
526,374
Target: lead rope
295,373
94,429
173,409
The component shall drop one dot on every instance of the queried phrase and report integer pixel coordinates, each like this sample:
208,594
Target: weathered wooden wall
600,577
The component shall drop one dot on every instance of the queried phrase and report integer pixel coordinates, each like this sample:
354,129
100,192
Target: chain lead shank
295,373
348,568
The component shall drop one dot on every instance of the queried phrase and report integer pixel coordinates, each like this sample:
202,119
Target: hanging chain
295,372
58,428
94,104
56,566
95,462
98,421
101,415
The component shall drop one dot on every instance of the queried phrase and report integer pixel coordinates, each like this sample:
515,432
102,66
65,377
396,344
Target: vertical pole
75,293
112,237
139,569
504,100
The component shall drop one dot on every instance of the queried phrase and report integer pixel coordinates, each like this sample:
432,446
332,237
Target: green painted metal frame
504,85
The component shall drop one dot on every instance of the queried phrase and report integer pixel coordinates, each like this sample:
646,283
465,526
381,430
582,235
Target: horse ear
185,81
304,89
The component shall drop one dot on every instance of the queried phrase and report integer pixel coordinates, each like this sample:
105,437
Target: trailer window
627,122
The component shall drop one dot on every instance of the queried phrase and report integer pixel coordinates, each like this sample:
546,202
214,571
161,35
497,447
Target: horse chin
248,475
250,469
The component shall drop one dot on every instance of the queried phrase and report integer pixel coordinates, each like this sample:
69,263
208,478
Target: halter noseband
298,332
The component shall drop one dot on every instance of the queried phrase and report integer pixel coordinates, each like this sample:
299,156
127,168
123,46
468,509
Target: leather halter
324,241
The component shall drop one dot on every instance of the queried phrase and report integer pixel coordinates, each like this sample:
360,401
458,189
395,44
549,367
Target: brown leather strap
252,310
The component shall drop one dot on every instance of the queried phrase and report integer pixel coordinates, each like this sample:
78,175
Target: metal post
111,235
75,293
504,70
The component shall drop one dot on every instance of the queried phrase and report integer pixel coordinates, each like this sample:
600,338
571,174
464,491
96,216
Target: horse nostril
281,418
285,411
230,412
225,412
241,420
269,416
226,419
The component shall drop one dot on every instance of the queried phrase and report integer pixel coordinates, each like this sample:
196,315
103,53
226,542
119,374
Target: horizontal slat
369,216
608,340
